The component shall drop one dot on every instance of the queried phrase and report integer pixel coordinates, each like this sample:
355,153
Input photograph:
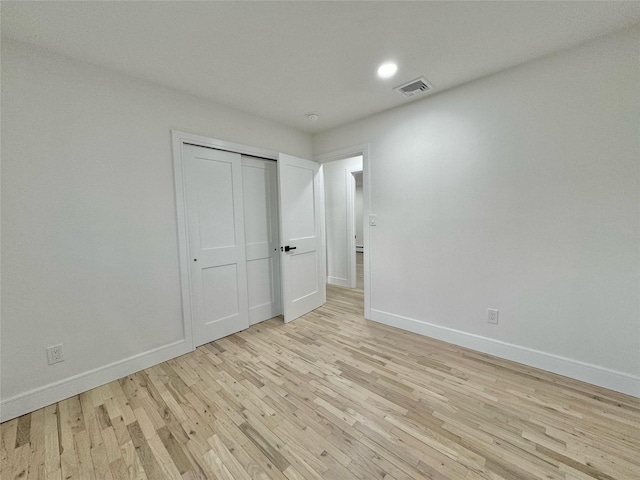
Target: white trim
341,282
586,372
222,145
54,392
341,154
178,138
323,233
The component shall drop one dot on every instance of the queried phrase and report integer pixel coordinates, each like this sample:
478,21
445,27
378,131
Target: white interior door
260,198
215,223
301,236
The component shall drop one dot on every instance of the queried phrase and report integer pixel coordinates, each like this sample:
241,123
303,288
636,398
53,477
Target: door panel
259,276
259,182
216,203
301,214
220,292
299,198
215,224
303,266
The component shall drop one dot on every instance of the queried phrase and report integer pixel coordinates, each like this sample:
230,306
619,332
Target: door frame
178,139
341,154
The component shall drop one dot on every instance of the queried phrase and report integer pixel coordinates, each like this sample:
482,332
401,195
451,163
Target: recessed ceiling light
387,70
313,116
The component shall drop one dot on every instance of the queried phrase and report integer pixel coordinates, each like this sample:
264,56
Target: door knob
287,248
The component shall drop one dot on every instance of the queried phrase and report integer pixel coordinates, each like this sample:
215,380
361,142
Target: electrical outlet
54,354
492,315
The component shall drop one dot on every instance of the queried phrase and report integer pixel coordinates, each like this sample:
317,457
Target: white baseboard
54,392
586,372
341,282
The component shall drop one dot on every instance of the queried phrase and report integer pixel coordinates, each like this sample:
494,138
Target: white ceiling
280,60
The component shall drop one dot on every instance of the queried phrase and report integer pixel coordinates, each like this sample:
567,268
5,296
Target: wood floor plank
52,461
36,442
23,429
8,434
21,462
68,455
83,449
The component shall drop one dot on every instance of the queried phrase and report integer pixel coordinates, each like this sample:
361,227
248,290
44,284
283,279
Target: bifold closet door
260,198
215,223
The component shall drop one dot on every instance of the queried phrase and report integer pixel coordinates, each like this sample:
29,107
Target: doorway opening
346,179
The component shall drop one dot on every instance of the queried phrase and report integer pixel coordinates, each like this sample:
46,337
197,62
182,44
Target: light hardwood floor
331,396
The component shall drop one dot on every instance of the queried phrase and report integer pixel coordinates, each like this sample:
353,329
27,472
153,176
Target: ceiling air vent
414,87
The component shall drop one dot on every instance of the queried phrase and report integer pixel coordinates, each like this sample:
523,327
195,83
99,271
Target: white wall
89,237
521,192
335,187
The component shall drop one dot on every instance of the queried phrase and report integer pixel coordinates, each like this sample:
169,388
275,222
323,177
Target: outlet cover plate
54,354
492,315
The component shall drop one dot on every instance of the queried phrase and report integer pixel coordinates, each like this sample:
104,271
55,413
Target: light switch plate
373,220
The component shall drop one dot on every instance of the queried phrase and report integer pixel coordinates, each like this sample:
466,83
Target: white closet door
301,213
215,222
260,198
